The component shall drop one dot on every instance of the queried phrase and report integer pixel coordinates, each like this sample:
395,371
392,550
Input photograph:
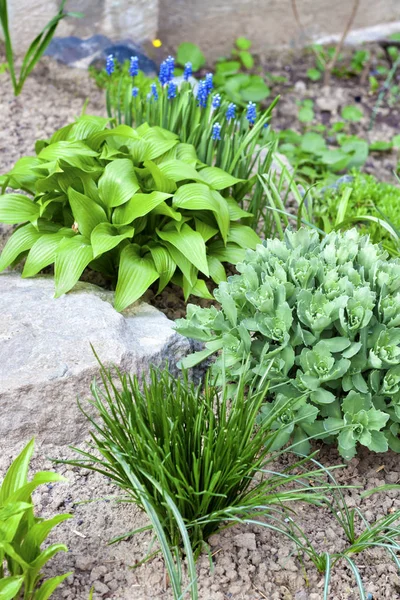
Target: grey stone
46,359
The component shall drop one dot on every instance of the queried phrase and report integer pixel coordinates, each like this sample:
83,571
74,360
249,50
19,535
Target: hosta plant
134,204
320,320
22,534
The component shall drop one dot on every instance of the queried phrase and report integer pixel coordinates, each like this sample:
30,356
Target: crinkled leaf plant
22,534
134,204
320,319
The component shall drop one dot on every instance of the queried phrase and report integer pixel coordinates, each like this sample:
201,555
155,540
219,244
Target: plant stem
330,66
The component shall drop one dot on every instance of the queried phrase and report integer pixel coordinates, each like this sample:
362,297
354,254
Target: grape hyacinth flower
230,112
110,64
251,113
134,66
154,91
216,101
171,90
209,82
216,131
170,61
163,76
135,92
187,73
202,94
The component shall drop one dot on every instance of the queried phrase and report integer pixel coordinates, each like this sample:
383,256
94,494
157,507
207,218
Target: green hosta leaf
231,253
46,555
138,206
159,141
135,276
23,175
190,243
118,183
206,231
161,181
86,126
16,208
217,178
43,251
216,269
66,150
86,213
199,289
164,264
164,209
235,212
10,586
178,170
21,240
197,196
72,257
243,236
105,237
185,266
187,154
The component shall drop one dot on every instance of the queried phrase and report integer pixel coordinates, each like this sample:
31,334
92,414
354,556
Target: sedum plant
320,320
135,204
22,534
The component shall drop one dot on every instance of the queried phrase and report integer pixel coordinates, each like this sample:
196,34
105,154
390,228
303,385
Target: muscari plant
135,204
224,135
321,320
22,534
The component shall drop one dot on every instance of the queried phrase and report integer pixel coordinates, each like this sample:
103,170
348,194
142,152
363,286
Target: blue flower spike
202,94
135,92
230,112
187,73
209,82
154,91
251,113
163,76
134,66
171,90
110,64
216,131
216,101
170,62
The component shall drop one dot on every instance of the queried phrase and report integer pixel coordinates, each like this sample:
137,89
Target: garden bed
249,563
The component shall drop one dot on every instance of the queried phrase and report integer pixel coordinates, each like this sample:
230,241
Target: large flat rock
46,359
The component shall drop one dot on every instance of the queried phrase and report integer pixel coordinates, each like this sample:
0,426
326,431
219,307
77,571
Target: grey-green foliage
323,319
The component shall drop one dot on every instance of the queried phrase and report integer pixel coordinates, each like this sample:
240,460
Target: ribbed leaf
164,264
21,240
66,150
206,231
197,196
37,534
86,212
184,265
190,243
235,212
158,142
178,170
164,209
46,555
86,126
72,257
230,253
16,208
187,154
161,181
105,237
217,178
243,236
23,175
216,268
43,251
138,206
118,182
136,274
